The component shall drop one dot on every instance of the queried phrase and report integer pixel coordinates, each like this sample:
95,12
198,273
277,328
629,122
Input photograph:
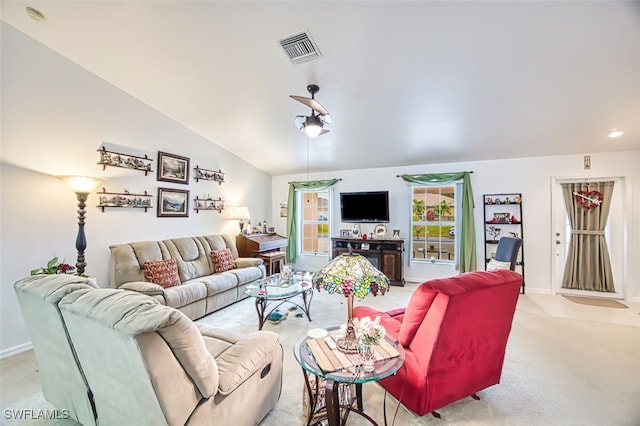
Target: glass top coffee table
273,291
328,384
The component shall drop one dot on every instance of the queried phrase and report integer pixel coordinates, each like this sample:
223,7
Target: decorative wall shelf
124,199
204,174
125,161
208,204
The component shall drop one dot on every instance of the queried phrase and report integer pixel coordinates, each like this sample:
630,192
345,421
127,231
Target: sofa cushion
223,260
417,308
184,294
247,275
162,272
192,259
217,283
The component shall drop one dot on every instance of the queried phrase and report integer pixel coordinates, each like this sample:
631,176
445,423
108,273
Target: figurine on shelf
518,199
514,219
494,232
507,200
489,200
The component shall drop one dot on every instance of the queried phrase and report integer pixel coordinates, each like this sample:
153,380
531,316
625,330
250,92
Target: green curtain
466,258
314,185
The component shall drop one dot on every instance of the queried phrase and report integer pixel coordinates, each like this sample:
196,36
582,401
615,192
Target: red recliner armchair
454,331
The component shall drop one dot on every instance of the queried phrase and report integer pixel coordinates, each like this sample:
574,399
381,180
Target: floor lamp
82,186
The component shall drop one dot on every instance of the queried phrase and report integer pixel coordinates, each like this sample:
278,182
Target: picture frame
345,233
173,168
173,202
502,217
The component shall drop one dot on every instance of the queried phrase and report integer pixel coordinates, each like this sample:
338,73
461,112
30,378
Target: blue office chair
507,251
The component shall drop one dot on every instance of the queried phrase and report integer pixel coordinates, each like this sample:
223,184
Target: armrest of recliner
245,262
242,360
389,322
150,289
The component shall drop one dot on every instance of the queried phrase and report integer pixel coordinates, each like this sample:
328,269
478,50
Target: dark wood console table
385,255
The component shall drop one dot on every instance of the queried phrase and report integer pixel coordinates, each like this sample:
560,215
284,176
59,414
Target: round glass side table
330,394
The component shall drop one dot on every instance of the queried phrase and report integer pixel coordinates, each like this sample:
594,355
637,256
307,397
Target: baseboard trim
5,353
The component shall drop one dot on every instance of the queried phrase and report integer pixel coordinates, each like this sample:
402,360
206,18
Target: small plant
54,267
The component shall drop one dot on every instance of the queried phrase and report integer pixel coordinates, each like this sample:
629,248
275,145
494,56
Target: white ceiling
405,82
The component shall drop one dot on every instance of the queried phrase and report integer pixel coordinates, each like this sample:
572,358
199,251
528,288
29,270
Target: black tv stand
386,255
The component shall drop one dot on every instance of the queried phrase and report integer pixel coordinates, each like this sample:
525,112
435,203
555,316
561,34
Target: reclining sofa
123,358
63,382
202,287
454,332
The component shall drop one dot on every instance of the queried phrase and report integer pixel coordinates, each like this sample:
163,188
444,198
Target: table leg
306,302
332,402
261,306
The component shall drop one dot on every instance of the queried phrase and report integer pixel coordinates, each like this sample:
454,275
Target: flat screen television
357,207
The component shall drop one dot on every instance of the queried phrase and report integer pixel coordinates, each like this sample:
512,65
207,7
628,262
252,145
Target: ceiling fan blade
311,103
323,131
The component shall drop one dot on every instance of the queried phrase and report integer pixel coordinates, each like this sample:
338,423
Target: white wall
54,117
529,176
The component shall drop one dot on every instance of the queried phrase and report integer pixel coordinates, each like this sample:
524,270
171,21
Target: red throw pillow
223,260
162,272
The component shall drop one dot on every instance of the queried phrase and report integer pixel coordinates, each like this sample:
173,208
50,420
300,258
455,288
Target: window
433,223
316,222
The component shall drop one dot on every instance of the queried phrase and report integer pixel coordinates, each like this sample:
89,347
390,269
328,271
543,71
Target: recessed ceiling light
35,14
615,133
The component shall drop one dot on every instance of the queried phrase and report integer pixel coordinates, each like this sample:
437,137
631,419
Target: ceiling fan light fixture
313,126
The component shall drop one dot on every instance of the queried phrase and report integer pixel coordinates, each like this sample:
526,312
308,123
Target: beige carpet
596,301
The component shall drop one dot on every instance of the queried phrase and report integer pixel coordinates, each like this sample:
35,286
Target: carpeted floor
566,364
596,301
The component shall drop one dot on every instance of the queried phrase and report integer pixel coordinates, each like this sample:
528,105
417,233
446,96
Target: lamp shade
351,274
241,213
81,184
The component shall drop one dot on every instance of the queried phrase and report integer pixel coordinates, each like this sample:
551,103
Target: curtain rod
435,173
318,179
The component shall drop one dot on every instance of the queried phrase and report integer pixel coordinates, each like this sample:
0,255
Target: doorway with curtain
588,240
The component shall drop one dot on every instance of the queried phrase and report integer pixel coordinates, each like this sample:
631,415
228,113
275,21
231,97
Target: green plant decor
54,267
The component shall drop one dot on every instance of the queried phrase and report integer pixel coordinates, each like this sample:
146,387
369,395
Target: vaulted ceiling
406,83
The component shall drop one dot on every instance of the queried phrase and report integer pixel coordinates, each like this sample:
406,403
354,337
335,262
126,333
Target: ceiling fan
312,125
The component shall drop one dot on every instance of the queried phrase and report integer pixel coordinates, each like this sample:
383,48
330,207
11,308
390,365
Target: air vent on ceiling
300,47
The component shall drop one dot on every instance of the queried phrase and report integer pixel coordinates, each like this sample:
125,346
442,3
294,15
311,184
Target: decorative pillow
223,260
162,272
496,264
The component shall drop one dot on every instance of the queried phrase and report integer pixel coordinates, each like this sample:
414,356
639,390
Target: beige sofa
202,289
148,364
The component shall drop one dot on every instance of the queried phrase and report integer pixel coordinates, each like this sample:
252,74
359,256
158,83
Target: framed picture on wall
345,233
173,168
173,202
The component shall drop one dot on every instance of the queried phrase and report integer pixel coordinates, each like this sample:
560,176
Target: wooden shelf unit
499,209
